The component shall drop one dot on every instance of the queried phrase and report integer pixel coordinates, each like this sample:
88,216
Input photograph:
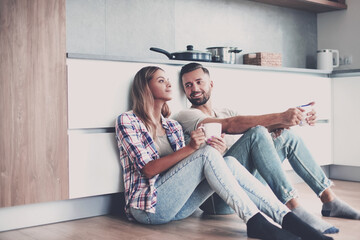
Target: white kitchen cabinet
346,127
99,90
94,167
319,140
261,92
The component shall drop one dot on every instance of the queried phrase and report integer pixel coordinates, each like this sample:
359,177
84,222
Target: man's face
197,86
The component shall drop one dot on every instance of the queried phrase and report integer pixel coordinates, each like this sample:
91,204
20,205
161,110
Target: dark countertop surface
345,73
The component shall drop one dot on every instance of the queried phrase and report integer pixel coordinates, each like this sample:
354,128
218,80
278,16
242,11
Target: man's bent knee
258,132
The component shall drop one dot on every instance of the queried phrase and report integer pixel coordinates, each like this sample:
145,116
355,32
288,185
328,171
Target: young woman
165,180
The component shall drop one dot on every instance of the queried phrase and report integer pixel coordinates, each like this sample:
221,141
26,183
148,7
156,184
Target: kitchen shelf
317,6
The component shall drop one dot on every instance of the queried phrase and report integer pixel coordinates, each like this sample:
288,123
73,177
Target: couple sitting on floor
166,179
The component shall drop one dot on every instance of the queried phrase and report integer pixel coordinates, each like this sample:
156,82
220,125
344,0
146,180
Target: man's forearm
272,121
240,124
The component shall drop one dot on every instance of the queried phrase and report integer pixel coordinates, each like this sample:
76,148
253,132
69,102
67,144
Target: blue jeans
262,156
184,187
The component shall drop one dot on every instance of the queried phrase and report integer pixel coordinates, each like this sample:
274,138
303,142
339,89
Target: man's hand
291,117
197,138
277,132
310,116
218,143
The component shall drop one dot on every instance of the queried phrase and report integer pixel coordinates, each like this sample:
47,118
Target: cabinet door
100,90
319,140
94,166
260,92
33,105
346,120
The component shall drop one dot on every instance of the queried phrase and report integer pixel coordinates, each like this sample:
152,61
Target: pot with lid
224,54
190,54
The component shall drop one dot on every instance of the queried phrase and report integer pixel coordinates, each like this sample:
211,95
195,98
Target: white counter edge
180,63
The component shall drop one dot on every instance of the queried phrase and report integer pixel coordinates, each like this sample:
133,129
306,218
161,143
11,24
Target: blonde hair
143,99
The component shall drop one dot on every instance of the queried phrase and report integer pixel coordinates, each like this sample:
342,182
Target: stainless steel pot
190,54
223,54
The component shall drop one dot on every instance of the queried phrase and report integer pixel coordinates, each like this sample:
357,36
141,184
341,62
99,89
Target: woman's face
160,86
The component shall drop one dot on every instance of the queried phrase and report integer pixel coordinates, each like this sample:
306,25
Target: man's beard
200,101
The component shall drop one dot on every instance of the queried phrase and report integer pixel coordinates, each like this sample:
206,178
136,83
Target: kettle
327,59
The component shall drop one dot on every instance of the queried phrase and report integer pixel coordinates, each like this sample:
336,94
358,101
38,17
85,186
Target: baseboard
347,173
336,172
23,216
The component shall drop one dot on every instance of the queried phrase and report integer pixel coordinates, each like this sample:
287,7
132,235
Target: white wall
340,30
129,28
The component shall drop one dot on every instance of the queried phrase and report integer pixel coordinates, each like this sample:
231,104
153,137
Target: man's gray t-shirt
190,119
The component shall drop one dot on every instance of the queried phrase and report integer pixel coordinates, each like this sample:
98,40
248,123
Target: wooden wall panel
33,102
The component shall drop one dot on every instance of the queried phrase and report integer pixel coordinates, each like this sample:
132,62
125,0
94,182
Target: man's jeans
262,156
184,187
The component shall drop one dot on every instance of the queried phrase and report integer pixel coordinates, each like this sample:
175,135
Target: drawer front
98,91
261,92
94,167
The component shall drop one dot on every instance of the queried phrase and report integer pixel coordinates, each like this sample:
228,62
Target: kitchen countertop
180,63
347,73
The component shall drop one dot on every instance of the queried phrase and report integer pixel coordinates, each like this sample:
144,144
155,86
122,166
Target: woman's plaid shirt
137,148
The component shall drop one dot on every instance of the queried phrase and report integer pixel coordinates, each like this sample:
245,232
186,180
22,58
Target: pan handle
162,51
235,51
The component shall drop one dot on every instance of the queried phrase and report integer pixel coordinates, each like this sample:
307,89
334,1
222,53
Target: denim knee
211,153
286,141
259,132
290,136
232,163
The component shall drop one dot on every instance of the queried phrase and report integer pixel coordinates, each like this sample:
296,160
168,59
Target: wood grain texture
198,226
33,106
317,6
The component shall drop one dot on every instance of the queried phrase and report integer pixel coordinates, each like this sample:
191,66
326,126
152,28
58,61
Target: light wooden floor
197,226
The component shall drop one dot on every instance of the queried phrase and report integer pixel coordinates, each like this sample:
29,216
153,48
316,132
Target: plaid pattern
137,148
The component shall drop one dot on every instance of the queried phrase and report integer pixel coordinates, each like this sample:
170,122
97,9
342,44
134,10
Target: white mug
212,130
327,59
308,108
